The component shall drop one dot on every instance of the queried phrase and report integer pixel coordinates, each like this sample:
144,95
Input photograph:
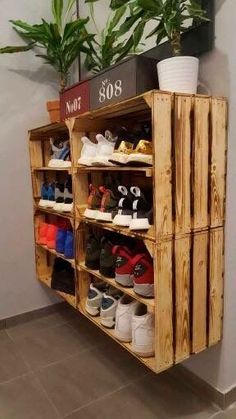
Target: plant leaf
57,9
13,49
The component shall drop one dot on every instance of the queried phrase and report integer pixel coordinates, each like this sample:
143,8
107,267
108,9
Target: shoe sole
140,159
94,312
104,216
139,224
67,208
141,351
145,290
122,338
89,213
108,323
58,207
124,280
122,220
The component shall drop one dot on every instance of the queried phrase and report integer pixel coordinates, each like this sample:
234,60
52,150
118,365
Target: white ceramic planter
178,74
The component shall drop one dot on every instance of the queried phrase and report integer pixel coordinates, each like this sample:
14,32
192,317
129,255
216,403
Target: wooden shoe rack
187,239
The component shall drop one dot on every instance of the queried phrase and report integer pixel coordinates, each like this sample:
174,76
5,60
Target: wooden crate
187,238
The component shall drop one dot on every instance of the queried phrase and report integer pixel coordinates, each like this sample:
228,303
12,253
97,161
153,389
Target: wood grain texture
199,291
36,153
216,286
182,298
182,144
218,161
162,179
200,163
164,306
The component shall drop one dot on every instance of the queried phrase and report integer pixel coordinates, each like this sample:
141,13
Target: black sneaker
68,196
124,212
93,250
107,259
63,277
59,197
142,210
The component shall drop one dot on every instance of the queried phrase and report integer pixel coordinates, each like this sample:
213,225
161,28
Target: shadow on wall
214,73
40,75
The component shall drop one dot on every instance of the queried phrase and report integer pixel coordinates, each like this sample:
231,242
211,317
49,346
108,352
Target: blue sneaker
60,240
44,196
51,195
69,245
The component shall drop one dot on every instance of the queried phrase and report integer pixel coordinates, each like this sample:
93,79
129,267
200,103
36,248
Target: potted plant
109,47
61,41
172,17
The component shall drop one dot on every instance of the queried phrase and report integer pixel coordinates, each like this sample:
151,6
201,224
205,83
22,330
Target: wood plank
182,298
199,291
216,285
182,145
218,161
36,154
162,178
200,163
164,306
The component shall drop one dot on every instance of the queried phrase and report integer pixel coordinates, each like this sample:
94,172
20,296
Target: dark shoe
93,250
107,259
94,203
141,210
63,277
123,215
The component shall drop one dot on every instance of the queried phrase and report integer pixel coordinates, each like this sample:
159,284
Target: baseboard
31,315
203,389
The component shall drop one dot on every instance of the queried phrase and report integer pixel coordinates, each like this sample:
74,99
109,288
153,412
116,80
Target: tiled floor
61,366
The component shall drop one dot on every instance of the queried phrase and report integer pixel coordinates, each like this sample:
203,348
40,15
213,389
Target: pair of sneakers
99,255
134,210
57,236
97,154
136,325
60,153
134,268
123,207
103,300
63,277
57,196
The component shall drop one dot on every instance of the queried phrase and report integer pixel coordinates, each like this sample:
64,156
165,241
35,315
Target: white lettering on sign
73,105
109,90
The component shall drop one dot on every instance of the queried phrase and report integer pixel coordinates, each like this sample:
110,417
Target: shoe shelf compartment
148,362
44,268
50,211
186,241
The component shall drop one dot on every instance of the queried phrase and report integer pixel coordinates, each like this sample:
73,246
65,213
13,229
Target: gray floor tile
88,376
24,399
152,397
11,362
51,345
32,327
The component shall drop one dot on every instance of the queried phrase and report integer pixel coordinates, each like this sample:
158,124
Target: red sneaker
94,203
143,275
42,234
124,266
51,236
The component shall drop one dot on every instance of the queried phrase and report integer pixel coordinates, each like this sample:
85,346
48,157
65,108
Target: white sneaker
143,331
109,306
125,310
60,154
105,149
88,152
94,299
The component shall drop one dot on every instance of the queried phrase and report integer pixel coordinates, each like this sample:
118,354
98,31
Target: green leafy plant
109,47
61,40
172,18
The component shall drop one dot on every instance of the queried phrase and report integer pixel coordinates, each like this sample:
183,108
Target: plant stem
63,82
176,43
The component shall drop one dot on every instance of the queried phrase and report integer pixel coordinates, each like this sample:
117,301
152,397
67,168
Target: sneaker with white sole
59,197
141,210
60,153
124,313
94,203
108,307
105,148
143,275
142,155
123,265
108,205
44,196
68,196
124,211
94,298
143,331
88,152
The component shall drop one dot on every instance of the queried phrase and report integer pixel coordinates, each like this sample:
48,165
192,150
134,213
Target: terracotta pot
53,107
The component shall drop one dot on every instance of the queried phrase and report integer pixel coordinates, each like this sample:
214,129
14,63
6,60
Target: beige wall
25,85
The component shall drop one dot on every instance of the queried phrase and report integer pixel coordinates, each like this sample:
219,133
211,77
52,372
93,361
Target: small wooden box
74,100
129,78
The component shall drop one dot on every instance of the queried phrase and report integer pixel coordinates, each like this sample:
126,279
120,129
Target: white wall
217,366
25,85
218,70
